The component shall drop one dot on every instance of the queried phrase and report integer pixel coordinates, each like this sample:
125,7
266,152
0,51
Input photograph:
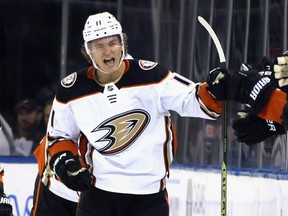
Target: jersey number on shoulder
182,80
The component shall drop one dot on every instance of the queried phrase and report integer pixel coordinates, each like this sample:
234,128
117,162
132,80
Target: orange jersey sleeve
41,151
274,108
39,154
63,145
209,101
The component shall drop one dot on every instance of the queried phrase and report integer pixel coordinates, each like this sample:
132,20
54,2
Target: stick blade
214,37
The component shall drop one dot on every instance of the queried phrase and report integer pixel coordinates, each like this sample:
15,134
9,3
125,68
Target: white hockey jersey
131,141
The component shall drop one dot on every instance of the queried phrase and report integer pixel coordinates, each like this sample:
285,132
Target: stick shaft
222,59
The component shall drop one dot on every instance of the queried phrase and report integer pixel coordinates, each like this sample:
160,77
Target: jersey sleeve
274,108
62,122
62,131
40,155
188,98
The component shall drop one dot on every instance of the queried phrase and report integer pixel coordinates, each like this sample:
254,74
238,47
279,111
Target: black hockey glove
265,68
250,88
218,83
71,172
251,129
5,206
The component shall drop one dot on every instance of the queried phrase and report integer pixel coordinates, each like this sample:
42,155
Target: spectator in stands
29,128
211,142
6,138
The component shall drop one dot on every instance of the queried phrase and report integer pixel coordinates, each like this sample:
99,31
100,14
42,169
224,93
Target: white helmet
99,26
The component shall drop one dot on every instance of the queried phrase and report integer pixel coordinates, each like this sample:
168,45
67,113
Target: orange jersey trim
39,154
83,142
175,143
209,101
274,108
127,66
61,146
90,73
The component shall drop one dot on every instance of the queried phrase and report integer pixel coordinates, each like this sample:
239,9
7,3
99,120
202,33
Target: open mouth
109,62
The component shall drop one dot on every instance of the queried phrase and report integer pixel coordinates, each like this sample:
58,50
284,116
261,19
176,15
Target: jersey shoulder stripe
142,72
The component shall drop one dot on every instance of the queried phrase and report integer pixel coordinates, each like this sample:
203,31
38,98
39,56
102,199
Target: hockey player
252,129
123,109
51,196
5,206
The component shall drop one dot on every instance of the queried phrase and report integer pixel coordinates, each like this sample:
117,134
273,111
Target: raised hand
281,70
218,83
247,86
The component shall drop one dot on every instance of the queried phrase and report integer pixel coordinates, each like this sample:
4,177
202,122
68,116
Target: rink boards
193,190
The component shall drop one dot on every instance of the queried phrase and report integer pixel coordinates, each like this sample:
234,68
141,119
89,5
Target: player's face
107,53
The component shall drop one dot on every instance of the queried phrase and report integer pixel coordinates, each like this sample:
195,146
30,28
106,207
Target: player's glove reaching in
281,71
265,69
276,69
71,172
218,83
251,129
250,88
5,206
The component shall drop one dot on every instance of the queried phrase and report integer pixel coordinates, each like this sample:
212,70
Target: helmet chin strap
102,71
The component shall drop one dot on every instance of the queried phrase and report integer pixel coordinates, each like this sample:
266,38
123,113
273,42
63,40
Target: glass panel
166,31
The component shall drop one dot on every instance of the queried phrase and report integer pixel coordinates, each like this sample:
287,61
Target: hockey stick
222,58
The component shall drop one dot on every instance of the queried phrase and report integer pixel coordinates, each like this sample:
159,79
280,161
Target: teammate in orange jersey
122,106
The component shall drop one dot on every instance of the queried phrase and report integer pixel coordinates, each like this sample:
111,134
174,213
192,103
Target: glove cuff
260,94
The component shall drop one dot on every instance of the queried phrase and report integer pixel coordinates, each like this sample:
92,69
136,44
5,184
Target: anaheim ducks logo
68,81
147,65
122,130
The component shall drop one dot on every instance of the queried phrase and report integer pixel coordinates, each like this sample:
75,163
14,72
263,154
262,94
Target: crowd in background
20,135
